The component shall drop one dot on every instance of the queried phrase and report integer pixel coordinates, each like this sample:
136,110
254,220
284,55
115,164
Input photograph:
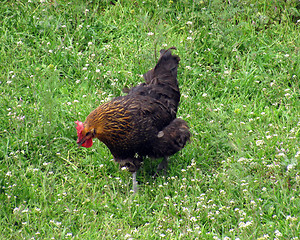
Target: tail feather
171,139
168,61
166,67
162,80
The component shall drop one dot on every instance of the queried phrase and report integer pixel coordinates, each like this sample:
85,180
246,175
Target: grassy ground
239,178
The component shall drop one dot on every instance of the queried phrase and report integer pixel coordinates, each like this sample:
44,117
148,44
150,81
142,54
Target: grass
239,78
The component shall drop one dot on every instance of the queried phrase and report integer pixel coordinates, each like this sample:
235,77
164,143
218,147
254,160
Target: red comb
79,127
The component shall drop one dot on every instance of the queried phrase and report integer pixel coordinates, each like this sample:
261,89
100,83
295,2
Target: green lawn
238,178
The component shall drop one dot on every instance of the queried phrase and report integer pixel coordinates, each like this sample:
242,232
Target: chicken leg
134,183
162,166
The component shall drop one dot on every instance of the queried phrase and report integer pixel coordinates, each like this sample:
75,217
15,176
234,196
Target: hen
142,123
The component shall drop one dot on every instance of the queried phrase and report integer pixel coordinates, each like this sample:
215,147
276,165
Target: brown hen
142,123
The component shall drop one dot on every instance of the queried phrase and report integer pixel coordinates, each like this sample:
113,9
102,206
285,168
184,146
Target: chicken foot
162,166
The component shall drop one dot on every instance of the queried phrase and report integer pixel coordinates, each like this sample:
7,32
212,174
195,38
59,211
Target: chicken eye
92,132
88,133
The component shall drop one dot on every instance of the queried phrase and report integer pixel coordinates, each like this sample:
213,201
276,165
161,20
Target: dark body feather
143,123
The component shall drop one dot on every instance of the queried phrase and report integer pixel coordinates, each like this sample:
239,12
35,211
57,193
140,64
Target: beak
80,143
86,137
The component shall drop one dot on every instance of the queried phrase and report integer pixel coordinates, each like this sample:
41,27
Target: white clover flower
290,167
259,142
245,224
37,209
242,159
281,155
185,209
277,233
